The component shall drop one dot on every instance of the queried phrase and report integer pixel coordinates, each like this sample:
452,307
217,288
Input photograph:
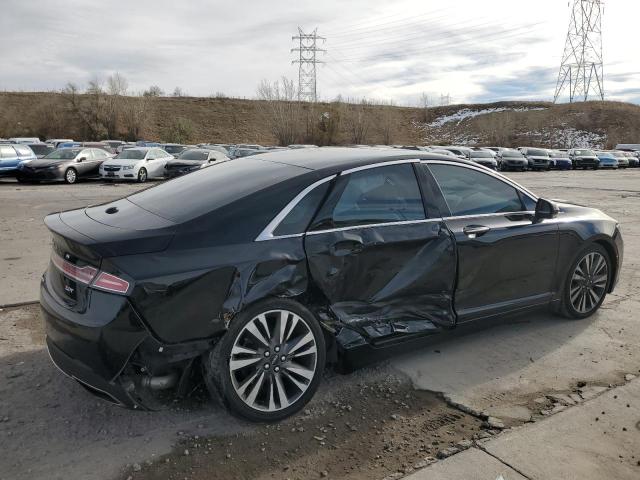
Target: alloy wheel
273,360
589,282
70,176
142,175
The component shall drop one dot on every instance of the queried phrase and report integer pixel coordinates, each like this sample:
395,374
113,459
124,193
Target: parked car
443,152
24,140
583,158
607,160
295,145
246,152
621,157
338,254
511,159
11,156
57,141
174,149
68,164
559,160
41,149
460,152
138,163
632,159
191,160
219,148
101,145
114,144
484,158
537,158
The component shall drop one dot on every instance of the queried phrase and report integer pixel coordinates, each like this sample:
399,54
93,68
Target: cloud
390,50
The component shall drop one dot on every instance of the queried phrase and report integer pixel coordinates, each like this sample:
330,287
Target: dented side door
388,278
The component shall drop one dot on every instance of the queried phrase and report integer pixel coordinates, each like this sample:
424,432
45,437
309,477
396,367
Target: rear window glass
201,155
23,151
301,215
537,152
132,154
481,154
208,189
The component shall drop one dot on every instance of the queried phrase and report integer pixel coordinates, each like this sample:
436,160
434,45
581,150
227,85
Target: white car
139,163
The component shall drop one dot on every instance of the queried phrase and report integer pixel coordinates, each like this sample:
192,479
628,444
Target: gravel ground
50,428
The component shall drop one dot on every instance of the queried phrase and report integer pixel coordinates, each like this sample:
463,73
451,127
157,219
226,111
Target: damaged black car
256,274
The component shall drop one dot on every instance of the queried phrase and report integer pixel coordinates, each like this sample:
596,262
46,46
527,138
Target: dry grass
231,120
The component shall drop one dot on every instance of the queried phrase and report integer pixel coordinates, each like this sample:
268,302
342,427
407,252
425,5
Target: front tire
269,363
587,283
70,176
142,175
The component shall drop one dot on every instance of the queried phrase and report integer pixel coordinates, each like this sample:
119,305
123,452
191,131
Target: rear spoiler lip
56,225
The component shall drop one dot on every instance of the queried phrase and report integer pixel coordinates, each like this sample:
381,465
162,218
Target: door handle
474,231
346,247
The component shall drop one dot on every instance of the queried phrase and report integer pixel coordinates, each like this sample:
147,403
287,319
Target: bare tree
177,92
153,91
135,116
358,123
180,131
281,109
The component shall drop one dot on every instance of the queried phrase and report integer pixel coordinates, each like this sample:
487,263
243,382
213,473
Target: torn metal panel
383,275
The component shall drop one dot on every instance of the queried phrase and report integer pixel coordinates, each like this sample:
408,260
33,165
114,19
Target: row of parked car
30,160
529,158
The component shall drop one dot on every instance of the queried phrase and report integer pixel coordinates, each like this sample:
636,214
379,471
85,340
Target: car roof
330,160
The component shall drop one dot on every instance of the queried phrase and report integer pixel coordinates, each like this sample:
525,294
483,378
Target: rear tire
70,176
587,282
269,378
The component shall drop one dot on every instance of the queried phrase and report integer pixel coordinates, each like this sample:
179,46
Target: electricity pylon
582,66
307,60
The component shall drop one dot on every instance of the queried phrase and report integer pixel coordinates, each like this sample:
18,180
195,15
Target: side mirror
82,159
546,209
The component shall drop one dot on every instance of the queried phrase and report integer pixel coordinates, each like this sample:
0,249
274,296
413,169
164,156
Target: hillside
227,120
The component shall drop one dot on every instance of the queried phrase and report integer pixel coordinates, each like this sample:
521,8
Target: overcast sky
474,50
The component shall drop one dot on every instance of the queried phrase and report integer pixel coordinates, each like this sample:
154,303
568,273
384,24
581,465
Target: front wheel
71,176
142,175
587,282
269,363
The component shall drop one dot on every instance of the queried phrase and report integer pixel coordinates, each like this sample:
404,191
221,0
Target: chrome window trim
267,233
483,215
377,165
486,171
375,225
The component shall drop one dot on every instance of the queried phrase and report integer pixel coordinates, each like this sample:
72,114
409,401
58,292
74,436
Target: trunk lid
82,238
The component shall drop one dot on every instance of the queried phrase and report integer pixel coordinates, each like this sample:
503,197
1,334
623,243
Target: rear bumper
94,346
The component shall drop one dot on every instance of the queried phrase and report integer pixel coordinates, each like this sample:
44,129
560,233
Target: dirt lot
377,422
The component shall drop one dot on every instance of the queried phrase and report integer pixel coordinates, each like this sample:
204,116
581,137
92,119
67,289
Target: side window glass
301,215
7,151
151,155
23,151
470,192
379,195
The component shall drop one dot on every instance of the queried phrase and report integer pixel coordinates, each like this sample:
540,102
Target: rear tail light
86,275
80,274
111,283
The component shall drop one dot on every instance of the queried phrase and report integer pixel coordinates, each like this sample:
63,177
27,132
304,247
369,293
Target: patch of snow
569,138
466,113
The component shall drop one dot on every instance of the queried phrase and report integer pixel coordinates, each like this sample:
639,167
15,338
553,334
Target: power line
582,66
307,61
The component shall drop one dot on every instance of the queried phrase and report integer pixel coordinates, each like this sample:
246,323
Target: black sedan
191,160
263,271
68,164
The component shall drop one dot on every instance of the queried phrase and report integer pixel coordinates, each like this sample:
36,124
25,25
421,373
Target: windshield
63,154
132,154
536,152
194,155
605,155
480,154
41,149
559,154
511,154
586,153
